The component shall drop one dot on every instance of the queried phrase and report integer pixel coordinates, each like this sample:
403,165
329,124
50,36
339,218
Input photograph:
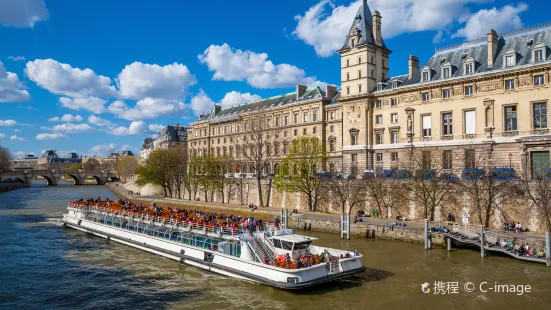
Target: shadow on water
370,275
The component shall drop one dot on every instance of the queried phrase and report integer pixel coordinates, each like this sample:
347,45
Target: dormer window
425,74
539,52
395,84
469,68
510,58
446,70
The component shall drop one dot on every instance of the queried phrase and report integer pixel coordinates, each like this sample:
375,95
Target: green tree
126,166
297,172
159,169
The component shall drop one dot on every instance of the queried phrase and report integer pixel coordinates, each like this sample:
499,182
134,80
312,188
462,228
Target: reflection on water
46,266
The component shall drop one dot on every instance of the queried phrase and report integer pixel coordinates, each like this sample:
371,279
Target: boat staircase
260,246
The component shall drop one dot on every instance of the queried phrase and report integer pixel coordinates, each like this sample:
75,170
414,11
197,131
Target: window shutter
426,122
470,122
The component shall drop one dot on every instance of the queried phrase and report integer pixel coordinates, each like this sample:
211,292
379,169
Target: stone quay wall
6,187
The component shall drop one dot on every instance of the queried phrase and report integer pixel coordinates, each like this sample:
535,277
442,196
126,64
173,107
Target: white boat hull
224,264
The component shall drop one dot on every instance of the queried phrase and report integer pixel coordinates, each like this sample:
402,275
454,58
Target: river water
45,266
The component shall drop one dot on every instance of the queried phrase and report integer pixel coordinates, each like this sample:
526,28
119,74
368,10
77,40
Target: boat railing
333,267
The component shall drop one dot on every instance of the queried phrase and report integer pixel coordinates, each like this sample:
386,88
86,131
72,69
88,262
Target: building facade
170,136
491,93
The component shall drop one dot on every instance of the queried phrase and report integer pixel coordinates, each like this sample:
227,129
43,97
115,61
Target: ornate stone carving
410,98
386,102
458,91
524,81
470,136
447,137
510,133
426,138
540,131
436,94
489,87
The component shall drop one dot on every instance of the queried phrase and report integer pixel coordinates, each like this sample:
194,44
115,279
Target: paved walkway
271,212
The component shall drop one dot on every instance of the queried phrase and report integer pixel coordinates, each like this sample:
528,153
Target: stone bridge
53,176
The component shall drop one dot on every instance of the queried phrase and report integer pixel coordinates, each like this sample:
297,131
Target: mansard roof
231,113
363,22
520,41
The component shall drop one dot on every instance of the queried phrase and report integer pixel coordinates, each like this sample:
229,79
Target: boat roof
295,238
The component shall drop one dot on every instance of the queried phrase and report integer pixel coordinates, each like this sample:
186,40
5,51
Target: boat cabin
293,244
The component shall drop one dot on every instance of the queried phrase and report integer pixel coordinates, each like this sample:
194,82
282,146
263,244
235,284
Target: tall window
304,117
304,131
468,68
286,120
378,138
394,118
447,124
446,72
540,115
510,84
277,122
426,120
538,80
393,102
509,61
359,88
359,59
372,59
539,55
470,123
359,74
379,119
447,159
394,137
379,104
394,156
315,116
470,161
425,76
354,157
295,132
379,157
511,118
315,130
296,118
426,96
446,93
354,138
348,90
468,90
347,76
331,128
331,145
348,62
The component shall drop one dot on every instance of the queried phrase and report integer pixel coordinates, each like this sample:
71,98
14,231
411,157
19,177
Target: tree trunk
260,200
269,193
310,202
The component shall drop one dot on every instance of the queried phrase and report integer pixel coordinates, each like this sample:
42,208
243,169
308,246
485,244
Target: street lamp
510,157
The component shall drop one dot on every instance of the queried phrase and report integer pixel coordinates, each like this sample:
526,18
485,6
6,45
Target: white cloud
20,154
8,122
11,89
234,98
325,25
98,121
117,107
156,127
230,64
17,130
102,149
72,128
139,80
201,103
2,136
17,58
17,138
50,136
22,13
62,79
92,104
66,118
135,128
504,19
148,108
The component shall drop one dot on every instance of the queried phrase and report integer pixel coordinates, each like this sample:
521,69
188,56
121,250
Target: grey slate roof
363,22
231,113
478,50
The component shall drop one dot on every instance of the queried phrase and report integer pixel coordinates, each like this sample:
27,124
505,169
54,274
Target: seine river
44,266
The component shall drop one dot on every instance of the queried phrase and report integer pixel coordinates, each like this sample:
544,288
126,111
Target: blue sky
97,76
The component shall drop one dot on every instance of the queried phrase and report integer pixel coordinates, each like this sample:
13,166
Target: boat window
277,243
286,245
302,245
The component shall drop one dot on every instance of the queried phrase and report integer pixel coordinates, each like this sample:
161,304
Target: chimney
492,47
413,66
330,91
377,28
301,89
217,109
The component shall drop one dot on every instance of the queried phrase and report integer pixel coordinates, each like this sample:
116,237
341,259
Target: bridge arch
75,178
51,181
99,180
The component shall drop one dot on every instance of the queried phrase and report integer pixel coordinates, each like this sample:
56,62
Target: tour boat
267,255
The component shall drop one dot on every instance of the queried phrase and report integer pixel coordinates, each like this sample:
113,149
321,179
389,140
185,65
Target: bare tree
5,159
538,190
258,151
484,182
349,192
387,192
429,185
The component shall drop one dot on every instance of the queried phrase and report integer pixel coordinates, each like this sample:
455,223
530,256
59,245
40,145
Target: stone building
491,93
170,136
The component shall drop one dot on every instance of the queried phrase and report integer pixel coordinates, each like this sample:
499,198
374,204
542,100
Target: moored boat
257,251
